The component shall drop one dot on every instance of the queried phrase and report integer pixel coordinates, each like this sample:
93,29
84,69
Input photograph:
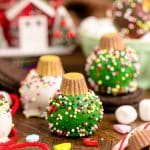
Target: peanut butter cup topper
139,140
112,41
146,5
50,65
74,84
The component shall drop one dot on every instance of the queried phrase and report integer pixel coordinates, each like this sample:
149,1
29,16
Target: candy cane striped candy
123,143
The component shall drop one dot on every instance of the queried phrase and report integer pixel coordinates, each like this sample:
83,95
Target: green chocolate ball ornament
113,71
74,111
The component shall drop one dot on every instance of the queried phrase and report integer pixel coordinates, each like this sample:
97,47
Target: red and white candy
123,143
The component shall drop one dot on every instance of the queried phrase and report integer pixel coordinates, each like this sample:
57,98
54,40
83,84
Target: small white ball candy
32,138
144,109
126,114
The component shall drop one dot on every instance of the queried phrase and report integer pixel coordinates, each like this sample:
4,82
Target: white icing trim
44,7
14,11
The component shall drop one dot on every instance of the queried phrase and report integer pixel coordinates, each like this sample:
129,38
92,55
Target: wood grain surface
105,135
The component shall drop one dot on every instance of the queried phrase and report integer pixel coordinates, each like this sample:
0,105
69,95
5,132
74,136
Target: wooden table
106,136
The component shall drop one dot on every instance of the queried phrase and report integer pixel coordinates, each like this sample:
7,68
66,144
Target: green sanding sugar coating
74,116
111,72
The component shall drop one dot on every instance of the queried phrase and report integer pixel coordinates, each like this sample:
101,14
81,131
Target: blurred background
31,28
13,69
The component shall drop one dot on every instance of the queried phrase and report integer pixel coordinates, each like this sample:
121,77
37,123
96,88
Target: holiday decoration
113,72
27,16
63,31
74,111
45,27
40,85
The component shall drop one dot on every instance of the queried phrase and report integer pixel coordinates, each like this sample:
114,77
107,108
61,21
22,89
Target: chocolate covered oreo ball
132,17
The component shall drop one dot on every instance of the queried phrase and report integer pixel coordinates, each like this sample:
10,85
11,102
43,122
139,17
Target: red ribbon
28,144
16,103
12,140
11,146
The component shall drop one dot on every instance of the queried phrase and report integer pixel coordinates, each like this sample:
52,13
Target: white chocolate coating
5,126
144,110
36,91
5,119
126,114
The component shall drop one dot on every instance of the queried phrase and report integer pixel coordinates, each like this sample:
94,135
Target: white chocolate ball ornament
144,110
126,114
40,85
5,119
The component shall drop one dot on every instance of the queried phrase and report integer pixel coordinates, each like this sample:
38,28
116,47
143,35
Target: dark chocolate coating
123,22
111,103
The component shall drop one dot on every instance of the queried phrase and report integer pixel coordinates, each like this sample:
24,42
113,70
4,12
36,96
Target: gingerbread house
35,27
30,24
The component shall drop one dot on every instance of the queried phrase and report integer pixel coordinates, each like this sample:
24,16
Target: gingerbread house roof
20,6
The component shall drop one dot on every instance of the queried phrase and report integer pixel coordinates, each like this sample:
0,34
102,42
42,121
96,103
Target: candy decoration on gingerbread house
32,25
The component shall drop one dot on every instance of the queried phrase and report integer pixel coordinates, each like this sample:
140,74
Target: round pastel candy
144,110
32,138
126,114
121,128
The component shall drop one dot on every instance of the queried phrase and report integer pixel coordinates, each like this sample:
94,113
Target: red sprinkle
52,109
57,34
71,34
90,142
63,23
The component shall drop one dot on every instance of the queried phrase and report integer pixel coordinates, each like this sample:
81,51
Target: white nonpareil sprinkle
107,77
